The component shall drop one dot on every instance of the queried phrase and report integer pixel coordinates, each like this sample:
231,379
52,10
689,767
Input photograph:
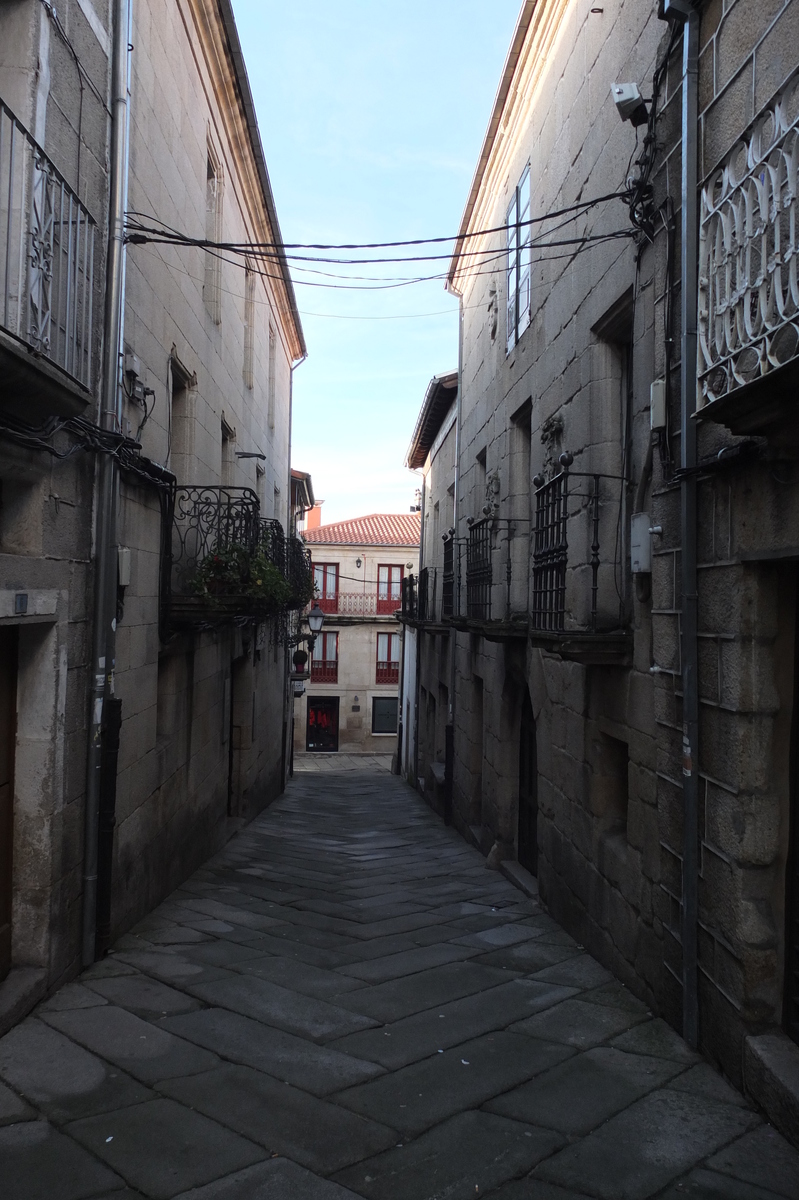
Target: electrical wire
282,246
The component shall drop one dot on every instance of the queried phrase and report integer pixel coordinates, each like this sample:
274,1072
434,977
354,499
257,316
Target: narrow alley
346,1002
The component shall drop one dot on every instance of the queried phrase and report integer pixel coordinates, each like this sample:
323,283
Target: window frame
387,669
518,270
324,669
389,603
326,602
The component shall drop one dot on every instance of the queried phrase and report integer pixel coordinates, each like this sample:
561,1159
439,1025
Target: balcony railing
387,604
410,609
479,575
387,672
358,604
47,243
448,579
214,546
324,671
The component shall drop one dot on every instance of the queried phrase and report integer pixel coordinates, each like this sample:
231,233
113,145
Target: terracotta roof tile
378,529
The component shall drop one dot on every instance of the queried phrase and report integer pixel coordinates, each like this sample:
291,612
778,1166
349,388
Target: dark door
8,731
528,790
322,733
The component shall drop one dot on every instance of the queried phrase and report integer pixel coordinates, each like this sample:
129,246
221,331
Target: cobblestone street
346,1002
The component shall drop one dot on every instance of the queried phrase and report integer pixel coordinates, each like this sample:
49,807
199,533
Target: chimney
313,516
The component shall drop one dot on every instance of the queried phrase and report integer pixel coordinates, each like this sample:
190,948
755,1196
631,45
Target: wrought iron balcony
387,672
410,609
448,579
222,561
323,671
47,252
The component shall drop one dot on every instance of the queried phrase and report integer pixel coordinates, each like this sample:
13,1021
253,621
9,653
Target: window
389,588
384,714
272,368
212,289
519,260
228,453
388,658
248,370
324,659
325,577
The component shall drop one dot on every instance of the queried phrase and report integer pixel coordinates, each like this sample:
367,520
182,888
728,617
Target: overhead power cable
282,246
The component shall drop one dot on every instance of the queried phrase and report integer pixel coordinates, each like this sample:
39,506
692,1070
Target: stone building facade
54,81
350,703
205,370
665,841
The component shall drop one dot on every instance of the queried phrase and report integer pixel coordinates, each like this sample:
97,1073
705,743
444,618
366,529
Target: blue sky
372,124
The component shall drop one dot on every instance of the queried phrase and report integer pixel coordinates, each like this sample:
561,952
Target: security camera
630,103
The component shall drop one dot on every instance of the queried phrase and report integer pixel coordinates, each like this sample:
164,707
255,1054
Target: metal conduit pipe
449,732
104,632
688,522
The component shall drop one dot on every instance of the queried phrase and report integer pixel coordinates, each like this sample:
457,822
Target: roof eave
503,91
242,79
412,461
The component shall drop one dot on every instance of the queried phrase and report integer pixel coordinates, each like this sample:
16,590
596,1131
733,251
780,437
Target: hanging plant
233,573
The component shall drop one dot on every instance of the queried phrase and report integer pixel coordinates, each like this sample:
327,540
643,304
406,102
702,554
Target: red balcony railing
328,604
387,672
324,672
390,604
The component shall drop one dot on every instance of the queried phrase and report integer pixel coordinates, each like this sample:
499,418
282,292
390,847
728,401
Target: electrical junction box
657,404
640,544
123,566
133,365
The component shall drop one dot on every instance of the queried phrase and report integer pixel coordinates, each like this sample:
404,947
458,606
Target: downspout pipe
688,522
449,732
104,631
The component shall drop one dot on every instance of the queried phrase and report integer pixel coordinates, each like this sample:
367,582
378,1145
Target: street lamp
316,619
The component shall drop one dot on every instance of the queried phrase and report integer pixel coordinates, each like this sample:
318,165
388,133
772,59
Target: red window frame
324,659
327,597
388,667
389,587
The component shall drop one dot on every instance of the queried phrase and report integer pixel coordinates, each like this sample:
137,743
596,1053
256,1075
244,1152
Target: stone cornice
213,33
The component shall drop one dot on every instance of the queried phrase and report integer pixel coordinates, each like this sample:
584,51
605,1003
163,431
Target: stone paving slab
278,1179
275,1005
265,1034
318,1069
418,1036
61,1078
581,1093
162,1147
640,1151
38,1163
424,1094
424,989
465,1157
321,1136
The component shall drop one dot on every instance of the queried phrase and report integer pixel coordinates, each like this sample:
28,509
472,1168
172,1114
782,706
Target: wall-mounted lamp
359,562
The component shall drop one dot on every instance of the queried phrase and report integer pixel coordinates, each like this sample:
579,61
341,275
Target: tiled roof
378,529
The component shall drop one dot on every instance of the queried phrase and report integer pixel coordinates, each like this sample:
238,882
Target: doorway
528,790
791,1005
8,733
322,730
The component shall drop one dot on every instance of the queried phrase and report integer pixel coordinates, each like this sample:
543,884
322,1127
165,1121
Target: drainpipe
104,632
688,522
449,732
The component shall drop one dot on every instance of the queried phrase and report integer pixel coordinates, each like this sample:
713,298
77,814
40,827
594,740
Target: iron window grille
478,570
551,548
748,284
